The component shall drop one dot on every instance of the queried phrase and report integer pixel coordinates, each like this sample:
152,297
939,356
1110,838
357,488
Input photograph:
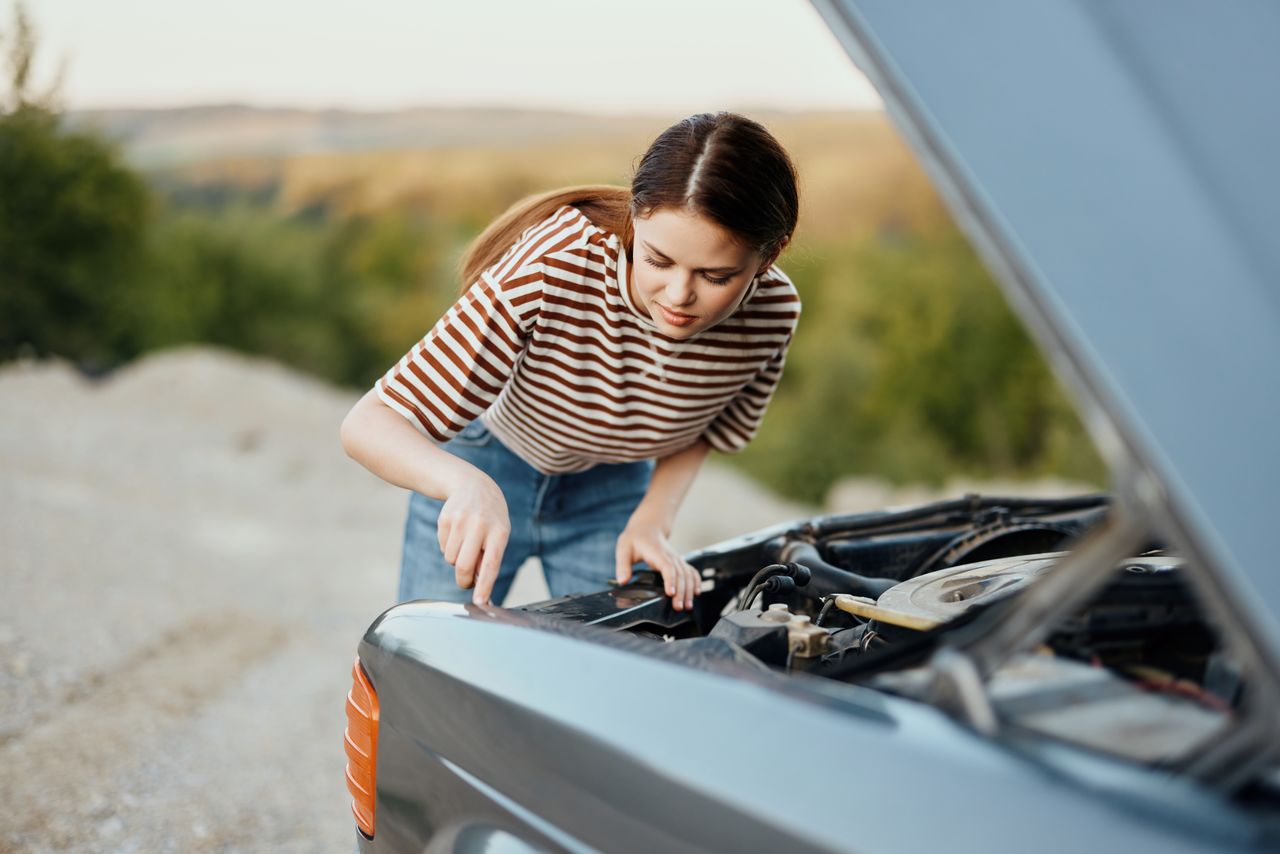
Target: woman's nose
679,289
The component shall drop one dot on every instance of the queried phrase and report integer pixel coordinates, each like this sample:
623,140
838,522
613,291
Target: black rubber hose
827,580
798,574
826,609
779,584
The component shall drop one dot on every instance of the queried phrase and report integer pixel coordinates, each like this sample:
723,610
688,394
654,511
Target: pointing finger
673,571
622,562
680,569
465,568
490,563
663,567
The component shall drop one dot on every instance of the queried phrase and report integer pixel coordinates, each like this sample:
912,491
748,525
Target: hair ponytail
607,206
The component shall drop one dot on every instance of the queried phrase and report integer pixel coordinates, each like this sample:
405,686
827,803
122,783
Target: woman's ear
772,256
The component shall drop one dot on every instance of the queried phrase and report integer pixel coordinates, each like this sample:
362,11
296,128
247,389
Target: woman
605,341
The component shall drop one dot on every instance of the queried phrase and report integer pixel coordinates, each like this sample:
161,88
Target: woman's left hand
645,539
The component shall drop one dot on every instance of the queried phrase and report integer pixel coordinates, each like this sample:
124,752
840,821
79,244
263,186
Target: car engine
872,598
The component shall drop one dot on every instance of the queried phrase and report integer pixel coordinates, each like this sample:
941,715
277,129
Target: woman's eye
662,265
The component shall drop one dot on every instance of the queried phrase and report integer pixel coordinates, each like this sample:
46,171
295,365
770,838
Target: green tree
72,218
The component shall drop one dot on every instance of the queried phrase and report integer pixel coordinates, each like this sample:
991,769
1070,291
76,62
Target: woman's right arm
381,440
449,377
474,523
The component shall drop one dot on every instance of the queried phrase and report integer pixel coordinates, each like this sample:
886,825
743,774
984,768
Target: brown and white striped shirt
549,350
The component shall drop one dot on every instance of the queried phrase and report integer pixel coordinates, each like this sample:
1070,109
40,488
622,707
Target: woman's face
688,272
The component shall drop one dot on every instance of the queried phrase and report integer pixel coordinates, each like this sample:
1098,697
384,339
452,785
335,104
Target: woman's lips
674,317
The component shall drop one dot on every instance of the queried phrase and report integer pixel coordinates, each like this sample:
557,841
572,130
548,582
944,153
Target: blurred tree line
907,365
72,219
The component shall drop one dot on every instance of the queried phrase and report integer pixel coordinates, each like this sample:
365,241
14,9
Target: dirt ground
188,562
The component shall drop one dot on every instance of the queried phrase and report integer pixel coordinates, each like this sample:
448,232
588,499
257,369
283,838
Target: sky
589,55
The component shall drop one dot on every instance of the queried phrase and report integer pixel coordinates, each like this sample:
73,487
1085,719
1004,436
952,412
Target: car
986,673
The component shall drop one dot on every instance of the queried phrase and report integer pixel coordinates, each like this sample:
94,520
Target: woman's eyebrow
656,251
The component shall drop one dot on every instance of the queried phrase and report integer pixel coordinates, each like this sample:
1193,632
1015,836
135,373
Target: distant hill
857,177
176,136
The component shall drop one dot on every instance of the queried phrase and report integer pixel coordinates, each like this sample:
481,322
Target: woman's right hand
473,526
473,529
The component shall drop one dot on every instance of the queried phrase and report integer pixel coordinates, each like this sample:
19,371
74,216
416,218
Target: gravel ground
188,562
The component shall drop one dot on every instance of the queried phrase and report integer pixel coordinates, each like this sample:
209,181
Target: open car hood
1118,167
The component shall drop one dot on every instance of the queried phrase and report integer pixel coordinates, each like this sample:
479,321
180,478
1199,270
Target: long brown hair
723,166
607,206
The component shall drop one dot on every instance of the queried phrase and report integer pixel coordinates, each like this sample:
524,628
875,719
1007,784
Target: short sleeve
462,364
737,423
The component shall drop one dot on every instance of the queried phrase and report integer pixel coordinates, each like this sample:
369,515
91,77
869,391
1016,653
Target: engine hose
779,584
798,574
828,580
826,609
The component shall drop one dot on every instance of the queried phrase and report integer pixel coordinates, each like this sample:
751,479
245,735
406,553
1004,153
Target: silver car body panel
576,745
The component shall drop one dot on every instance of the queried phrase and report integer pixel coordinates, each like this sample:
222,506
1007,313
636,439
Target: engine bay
871,599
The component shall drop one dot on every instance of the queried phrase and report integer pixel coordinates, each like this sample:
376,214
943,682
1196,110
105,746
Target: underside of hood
1116,164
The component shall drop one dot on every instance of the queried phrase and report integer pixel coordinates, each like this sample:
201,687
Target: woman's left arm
646,535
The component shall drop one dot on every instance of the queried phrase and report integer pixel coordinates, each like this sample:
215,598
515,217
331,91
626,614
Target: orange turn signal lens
361,741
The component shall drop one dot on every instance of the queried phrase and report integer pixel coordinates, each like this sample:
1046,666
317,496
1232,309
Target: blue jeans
570,521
